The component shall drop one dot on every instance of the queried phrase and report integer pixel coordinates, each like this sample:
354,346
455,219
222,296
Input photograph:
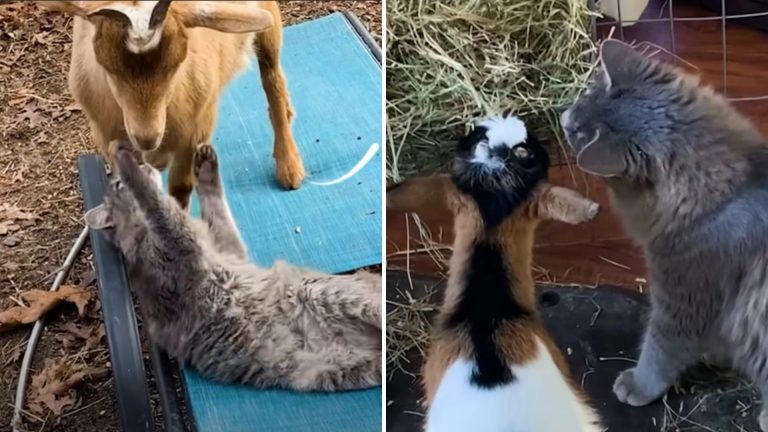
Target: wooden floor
600,252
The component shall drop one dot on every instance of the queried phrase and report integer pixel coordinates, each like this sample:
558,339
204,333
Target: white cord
366,158
21,387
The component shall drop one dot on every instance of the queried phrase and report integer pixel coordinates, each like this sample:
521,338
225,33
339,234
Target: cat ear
620,62
98,218
602,158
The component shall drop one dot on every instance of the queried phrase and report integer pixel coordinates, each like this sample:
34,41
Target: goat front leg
181,180
290,169
100,138
213,205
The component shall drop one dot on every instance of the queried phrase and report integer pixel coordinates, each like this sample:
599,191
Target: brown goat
492,366
152,72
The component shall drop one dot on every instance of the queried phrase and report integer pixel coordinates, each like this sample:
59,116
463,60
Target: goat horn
159,13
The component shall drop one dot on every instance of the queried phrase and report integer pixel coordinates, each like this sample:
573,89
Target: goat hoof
290,172
592,211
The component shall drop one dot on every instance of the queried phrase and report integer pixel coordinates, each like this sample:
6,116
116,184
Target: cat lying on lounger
208,306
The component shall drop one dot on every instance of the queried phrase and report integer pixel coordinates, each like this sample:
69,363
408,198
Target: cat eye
117,185
521,152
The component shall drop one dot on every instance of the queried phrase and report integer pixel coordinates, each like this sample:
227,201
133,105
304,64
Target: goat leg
290,169
181,180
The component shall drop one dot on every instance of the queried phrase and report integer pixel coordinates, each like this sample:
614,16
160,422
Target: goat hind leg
213,205
290,169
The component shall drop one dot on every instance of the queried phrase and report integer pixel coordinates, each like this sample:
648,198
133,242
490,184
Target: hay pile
452,61
408,329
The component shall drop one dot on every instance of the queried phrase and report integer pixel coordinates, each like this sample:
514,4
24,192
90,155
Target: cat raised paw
207,169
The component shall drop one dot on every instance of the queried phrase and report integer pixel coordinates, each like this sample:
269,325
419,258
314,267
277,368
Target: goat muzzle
146,142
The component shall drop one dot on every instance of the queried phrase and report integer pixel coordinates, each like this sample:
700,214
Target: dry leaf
31,115
68,342
57,405
18,176
17,100
40,302
14,355
5,227
94,339
75,330
39,38
12,213
87,278
42,386
53,387
92,336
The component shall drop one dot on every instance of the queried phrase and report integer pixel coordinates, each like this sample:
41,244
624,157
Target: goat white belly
538,400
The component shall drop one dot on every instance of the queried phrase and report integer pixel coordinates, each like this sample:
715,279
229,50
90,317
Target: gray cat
689,175
231,320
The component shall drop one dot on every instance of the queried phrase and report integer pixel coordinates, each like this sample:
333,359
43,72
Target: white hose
366,158
21,387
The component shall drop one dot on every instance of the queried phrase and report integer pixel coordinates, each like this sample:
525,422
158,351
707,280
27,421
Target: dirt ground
42,132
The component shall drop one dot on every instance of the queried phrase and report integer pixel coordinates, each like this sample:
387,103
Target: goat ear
565,205
224,17
419,194
98,218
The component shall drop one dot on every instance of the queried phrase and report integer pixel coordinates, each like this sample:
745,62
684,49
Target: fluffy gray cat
689,175
231,320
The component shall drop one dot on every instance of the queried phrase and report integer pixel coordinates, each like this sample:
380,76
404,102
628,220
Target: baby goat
152,72
492,367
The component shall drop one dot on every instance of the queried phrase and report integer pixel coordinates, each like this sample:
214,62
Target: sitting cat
207,305
689,175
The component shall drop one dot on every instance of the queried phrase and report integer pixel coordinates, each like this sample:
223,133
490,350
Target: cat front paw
633,391
207,169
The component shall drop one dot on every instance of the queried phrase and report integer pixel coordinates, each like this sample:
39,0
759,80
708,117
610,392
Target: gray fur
231,320
689,175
